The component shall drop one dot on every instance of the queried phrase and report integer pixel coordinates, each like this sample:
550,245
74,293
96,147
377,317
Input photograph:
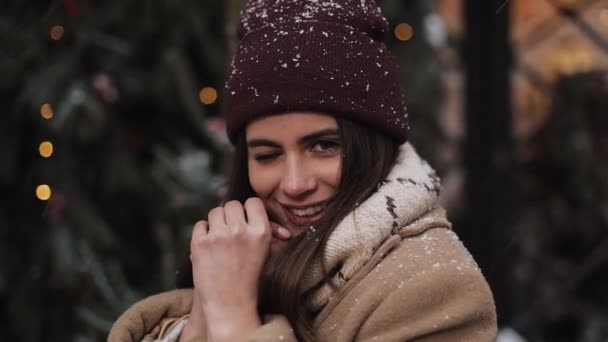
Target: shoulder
433,252
427,286
146,314
438,262
435,279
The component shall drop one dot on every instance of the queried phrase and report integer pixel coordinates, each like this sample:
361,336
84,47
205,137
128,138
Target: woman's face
294,166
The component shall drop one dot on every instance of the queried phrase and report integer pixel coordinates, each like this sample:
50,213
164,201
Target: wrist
231,325
195,326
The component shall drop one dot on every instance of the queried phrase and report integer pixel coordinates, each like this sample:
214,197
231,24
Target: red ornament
105,87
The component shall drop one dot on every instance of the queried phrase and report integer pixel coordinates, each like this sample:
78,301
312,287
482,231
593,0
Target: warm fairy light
46,149
57,32
43,192
404,31
604,17
208,95
46,111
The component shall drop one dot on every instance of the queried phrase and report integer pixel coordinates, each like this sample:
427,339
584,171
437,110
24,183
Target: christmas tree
112,148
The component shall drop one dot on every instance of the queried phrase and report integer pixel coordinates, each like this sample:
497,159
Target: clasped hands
228,253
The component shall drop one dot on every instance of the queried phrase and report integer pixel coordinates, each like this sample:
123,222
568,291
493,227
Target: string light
46,111
57,32
404,31
43,192
208,95
46,149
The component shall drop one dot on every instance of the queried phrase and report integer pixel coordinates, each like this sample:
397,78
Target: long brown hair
367,157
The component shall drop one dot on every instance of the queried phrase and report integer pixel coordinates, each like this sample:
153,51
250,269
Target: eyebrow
301,141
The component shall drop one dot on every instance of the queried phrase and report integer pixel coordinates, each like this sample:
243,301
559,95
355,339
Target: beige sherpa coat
403,275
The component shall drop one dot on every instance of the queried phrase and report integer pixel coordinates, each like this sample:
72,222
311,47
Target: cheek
331,171
263,180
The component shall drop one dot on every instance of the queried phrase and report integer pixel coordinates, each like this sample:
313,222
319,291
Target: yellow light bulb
46,111
43,192
57,32
46,149
208,95
404,31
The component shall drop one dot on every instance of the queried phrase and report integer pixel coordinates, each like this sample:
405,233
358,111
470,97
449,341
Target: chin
276,248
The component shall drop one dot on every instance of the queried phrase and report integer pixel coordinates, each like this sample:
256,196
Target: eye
325,146
261,157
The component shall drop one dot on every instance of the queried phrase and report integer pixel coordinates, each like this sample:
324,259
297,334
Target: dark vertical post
487,149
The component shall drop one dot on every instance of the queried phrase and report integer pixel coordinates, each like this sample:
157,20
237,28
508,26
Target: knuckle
260,233
202,224
238,234
196,242
233,203
199,230
214,211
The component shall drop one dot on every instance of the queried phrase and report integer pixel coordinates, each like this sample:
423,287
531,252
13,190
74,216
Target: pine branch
186,89
91,318
99,276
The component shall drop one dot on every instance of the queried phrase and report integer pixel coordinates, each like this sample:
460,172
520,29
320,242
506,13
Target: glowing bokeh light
57,32
208,95
43,192
404,31
46,111
46,149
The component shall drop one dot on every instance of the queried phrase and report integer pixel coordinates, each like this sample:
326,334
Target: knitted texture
404,204
314,55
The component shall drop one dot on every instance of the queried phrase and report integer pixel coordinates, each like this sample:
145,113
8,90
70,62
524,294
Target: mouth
304,215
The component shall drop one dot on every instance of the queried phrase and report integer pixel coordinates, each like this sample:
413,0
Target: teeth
308,211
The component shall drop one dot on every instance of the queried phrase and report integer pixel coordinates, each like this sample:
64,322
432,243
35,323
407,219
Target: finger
279,231
200,228
235,215
217,220
256,213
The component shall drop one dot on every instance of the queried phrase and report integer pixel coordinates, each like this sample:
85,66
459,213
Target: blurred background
111,147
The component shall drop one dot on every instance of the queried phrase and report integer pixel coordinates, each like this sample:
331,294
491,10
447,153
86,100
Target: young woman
331,229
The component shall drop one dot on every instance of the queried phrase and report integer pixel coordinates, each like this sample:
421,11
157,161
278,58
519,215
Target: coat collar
403,205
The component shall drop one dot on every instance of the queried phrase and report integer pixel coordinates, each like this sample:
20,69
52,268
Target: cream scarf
403,204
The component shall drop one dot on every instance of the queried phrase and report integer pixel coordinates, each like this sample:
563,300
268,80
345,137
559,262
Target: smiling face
294,165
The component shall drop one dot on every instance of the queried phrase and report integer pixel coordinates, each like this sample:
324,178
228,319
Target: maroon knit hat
315,55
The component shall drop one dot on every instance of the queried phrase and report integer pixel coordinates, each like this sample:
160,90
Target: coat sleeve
444,297
144,316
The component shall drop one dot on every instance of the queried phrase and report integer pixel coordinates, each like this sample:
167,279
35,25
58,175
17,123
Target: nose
298,180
